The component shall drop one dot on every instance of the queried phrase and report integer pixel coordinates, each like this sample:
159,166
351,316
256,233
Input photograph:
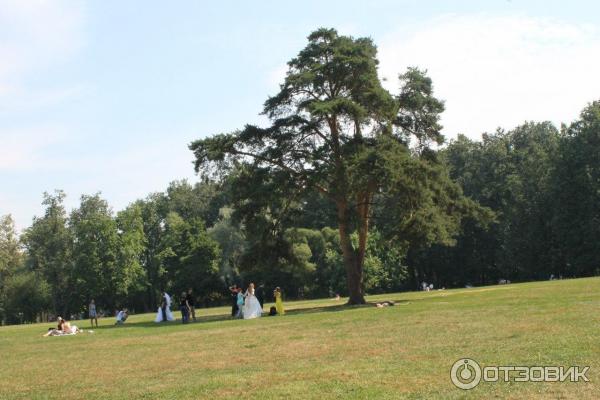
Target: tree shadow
339,307
152,324
320,309
203,319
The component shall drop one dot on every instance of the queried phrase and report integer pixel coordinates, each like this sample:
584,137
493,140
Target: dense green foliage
544,185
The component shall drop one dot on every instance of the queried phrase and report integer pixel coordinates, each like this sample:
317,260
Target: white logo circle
465,373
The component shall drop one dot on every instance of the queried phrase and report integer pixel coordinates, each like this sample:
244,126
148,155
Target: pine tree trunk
355,284
353,263
353,260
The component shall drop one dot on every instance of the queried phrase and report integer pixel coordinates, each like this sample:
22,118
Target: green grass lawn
321,349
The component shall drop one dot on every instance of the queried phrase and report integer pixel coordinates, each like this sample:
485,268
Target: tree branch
281,165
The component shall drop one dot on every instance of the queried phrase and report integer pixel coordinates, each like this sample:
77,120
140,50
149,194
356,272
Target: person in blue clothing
93,313
240,304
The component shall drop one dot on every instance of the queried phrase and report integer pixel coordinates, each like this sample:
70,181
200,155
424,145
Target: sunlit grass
321,349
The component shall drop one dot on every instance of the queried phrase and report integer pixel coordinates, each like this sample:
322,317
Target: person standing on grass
233,290
93,313
190,300
240,304
278,301
252,308
184,307
164,313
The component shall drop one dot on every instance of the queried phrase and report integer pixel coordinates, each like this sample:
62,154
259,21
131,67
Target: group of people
186,306
245,304
63,328
121,315
248,305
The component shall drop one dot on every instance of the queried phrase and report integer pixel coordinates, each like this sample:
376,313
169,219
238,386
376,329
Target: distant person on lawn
233,291
58,330
278,301
184,307
164,313
93,313
122,317
63,328
190,299
240,303
252,308
68,329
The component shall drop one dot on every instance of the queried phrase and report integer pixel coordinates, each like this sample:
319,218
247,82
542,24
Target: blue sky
106,95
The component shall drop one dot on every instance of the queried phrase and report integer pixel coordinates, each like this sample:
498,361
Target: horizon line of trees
542,184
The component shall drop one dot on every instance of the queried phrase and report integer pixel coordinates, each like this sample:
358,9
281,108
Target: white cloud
499,71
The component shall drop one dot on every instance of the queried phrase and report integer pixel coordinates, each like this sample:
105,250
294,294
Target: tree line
541,182
351,190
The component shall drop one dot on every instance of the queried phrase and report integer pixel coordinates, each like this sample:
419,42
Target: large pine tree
336,130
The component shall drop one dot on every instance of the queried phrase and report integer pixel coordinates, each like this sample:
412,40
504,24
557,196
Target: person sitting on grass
70,330
58,330
122,317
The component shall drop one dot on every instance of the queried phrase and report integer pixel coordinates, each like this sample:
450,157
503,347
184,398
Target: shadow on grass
227,317
339,307
152,324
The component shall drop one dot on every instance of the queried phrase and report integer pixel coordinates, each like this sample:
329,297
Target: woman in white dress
252,308
167,309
